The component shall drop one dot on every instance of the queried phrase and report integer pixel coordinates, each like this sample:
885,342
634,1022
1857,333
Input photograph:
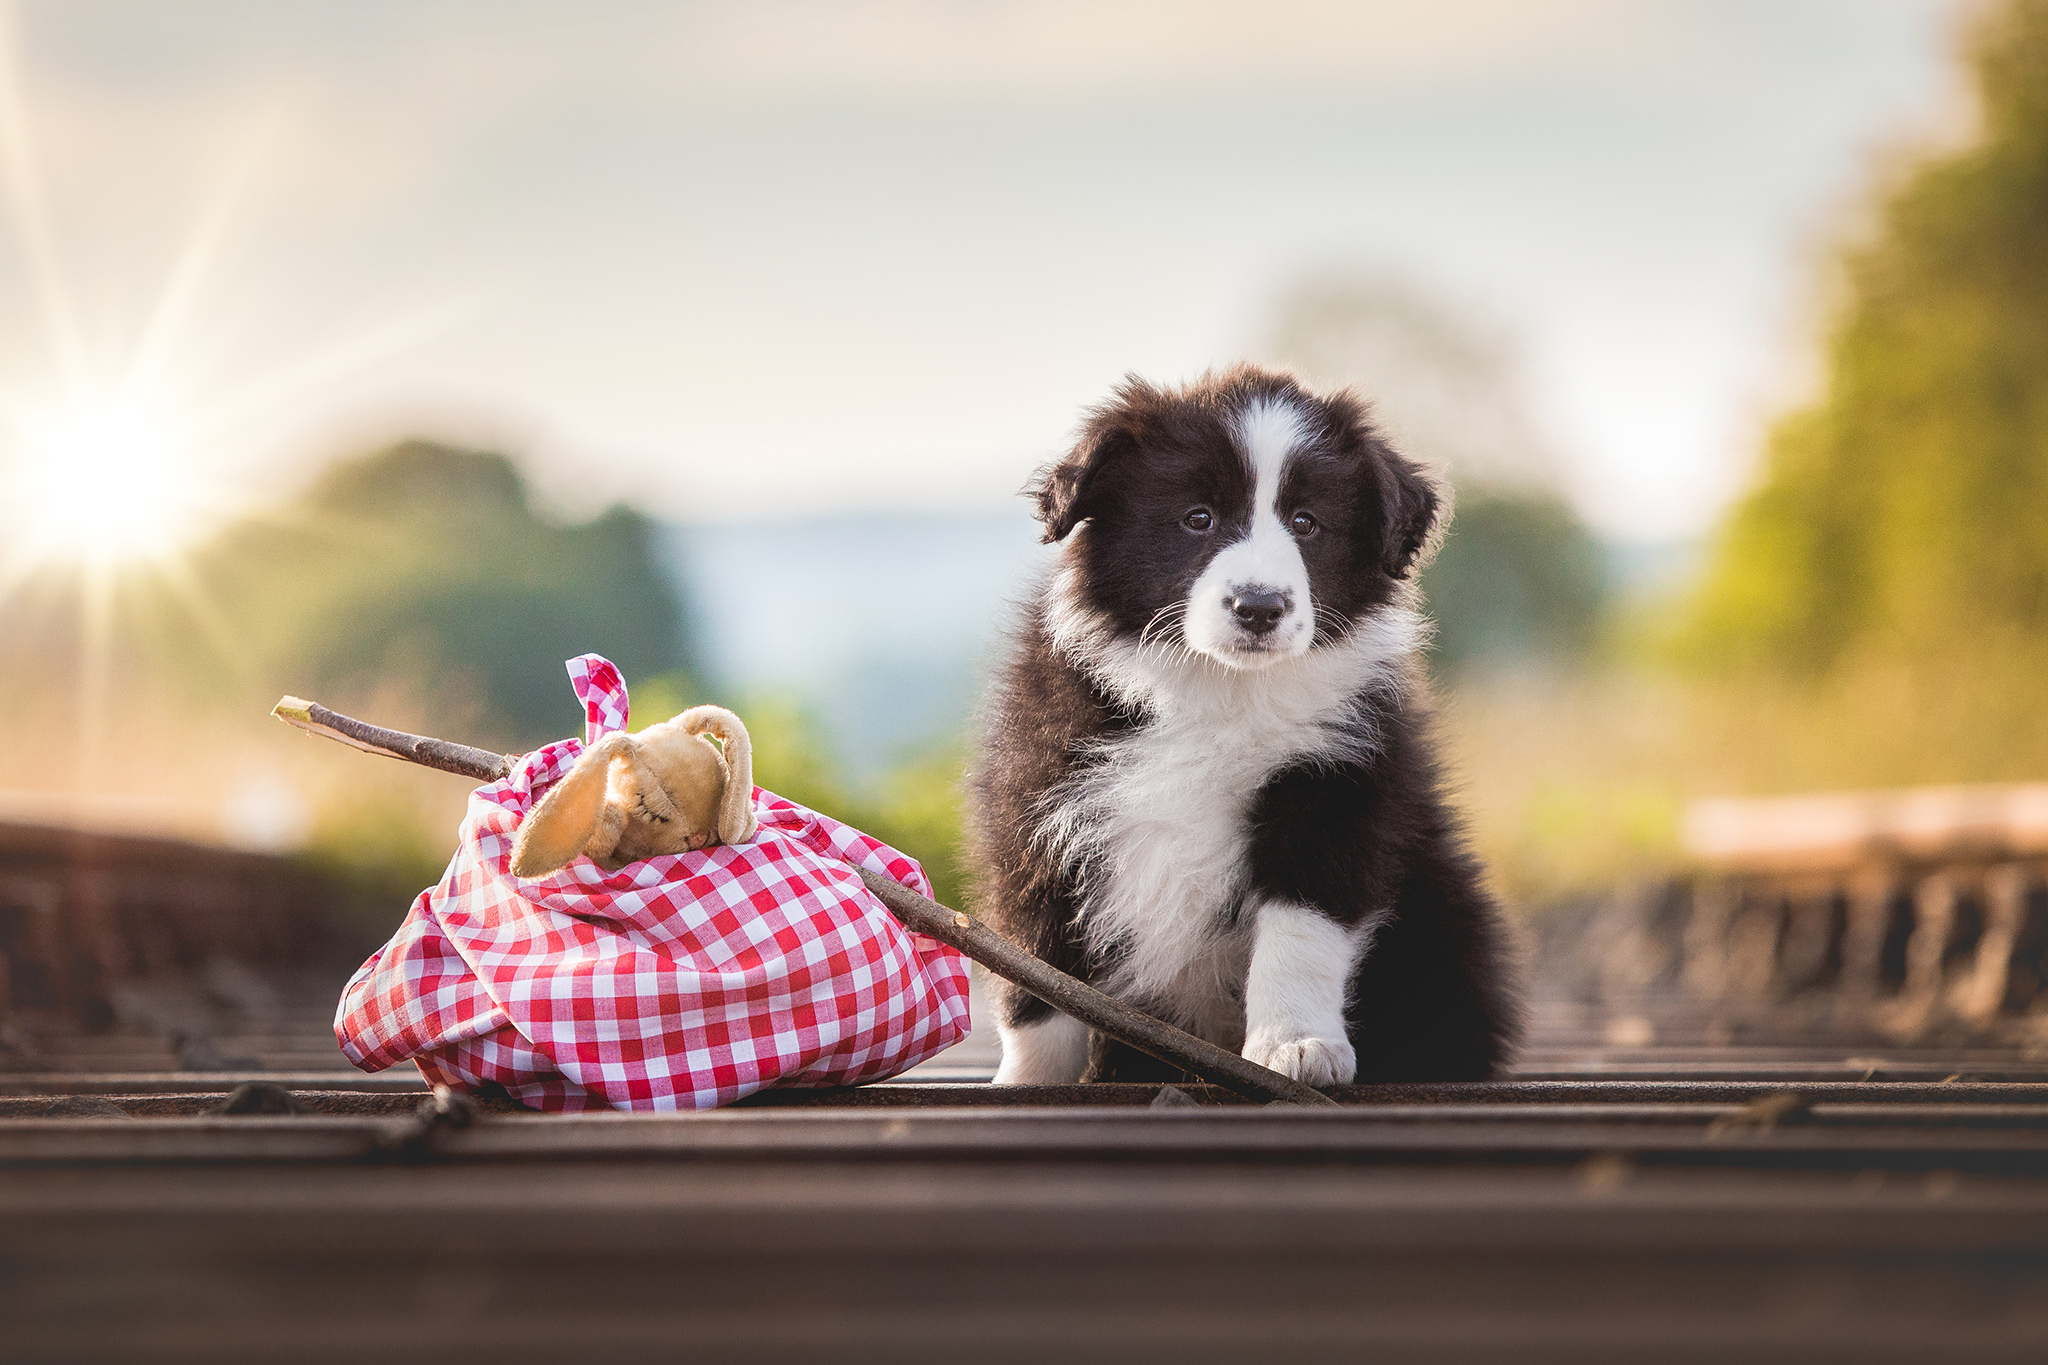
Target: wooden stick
1077,998
315,719
1064,993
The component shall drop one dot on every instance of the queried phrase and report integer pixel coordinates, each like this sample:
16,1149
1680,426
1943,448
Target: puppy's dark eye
1303,525
1201,519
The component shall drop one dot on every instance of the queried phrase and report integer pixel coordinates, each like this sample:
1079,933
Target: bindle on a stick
1065,993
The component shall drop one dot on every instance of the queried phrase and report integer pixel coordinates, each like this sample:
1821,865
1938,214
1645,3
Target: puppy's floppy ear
568,817
1408,508
1064,490
1408,498
736,821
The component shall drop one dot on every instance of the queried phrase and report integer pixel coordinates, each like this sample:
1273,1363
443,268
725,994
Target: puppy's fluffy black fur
1177,512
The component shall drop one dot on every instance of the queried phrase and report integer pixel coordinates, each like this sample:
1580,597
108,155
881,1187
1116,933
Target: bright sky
778,258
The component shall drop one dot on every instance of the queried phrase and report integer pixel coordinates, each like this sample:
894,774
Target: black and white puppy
1207,785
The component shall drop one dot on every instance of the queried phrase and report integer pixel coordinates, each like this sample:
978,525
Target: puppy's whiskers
1333,626
1165,632
1159,619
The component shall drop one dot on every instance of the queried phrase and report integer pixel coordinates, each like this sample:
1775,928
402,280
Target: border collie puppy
1207,785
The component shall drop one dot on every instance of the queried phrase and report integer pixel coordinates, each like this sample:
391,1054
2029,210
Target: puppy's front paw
1312,1061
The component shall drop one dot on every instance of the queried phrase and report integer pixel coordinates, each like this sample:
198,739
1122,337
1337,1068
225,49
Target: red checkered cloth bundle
680,982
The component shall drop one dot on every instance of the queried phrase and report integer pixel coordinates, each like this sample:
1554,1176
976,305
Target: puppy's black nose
1258,610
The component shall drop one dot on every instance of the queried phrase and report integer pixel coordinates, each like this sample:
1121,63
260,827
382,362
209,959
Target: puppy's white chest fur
1166,844
1158,827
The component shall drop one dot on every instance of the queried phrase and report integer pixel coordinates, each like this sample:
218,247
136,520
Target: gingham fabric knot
679,982
603,694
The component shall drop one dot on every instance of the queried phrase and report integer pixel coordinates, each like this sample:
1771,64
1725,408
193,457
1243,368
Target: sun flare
101,480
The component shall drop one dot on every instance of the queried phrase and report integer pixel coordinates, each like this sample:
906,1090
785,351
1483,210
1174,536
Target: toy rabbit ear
736,823
567,818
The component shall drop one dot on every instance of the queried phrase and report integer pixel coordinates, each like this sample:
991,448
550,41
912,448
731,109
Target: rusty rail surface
1604,1220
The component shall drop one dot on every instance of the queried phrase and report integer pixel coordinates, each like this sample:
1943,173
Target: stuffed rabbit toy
667,789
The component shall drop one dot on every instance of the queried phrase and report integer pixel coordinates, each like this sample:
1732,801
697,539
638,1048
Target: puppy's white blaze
1052,1051
1267,556
1294,993
1267,431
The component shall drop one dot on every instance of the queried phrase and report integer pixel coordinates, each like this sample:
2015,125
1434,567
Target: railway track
188,1171
1807,1209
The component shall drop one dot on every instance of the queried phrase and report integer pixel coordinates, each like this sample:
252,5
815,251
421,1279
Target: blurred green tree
1519,577
428,564
1904,513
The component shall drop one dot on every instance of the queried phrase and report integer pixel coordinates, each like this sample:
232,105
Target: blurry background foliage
1903,514
427,561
